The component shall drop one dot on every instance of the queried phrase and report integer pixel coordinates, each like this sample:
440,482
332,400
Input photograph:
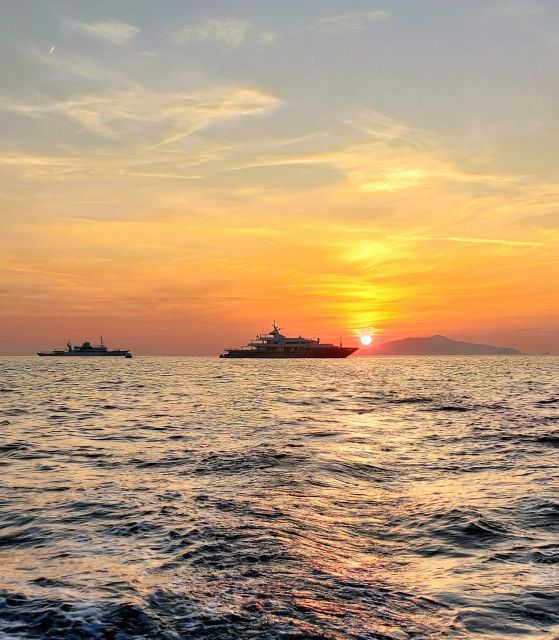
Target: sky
177,175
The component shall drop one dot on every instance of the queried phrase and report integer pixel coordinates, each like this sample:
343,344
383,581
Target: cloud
112,30
348,22
383,128
229,33
547,220
173,114
389,156
517,9
544,330
76,65
39,163
509,243
395,180
378,15
18,269
266,37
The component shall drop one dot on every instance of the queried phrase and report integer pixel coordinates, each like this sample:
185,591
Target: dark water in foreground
200,498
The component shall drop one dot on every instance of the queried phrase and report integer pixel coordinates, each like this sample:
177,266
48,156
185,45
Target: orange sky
177,190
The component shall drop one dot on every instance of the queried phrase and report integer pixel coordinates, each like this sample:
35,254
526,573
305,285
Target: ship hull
84,355
335,352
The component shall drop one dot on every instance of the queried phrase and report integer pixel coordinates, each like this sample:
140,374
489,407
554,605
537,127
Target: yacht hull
334,352
73,354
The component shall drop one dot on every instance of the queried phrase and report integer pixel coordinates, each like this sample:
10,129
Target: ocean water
400,498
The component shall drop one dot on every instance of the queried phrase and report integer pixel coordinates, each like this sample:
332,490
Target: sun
366,340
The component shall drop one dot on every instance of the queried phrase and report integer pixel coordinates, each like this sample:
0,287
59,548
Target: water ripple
367,499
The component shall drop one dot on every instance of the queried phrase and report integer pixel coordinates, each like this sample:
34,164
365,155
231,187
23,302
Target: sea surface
367,498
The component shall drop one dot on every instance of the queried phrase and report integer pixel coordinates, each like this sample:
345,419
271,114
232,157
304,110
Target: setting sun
366,340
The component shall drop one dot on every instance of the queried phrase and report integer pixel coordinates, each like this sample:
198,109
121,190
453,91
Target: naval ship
276,345
87,349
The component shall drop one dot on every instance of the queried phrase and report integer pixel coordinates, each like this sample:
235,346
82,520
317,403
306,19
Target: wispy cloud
396,180
383,128
229,33
348,22
514,9
151,113
498,241
112,31
170,176
18,269
390,155
266,37
78,66
536,330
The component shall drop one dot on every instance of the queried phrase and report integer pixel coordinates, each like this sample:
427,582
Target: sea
369,498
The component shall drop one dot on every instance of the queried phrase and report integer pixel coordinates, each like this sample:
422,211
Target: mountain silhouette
438,346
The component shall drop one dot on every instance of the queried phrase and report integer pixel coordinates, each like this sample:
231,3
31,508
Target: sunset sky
178,174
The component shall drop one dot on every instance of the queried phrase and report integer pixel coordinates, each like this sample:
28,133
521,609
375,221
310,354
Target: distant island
439,346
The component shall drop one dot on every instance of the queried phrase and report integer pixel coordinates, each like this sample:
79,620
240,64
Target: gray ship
276,345
87,350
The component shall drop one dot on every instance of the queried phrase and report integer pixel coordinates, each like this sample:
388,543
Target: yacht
87,349
275,345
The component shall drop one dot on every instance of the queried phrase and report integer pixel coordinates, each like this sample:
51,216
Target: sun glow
366,340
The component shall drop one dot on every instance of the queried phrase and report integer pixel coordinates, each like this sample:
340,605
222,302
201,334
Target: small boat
87,350
276,345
